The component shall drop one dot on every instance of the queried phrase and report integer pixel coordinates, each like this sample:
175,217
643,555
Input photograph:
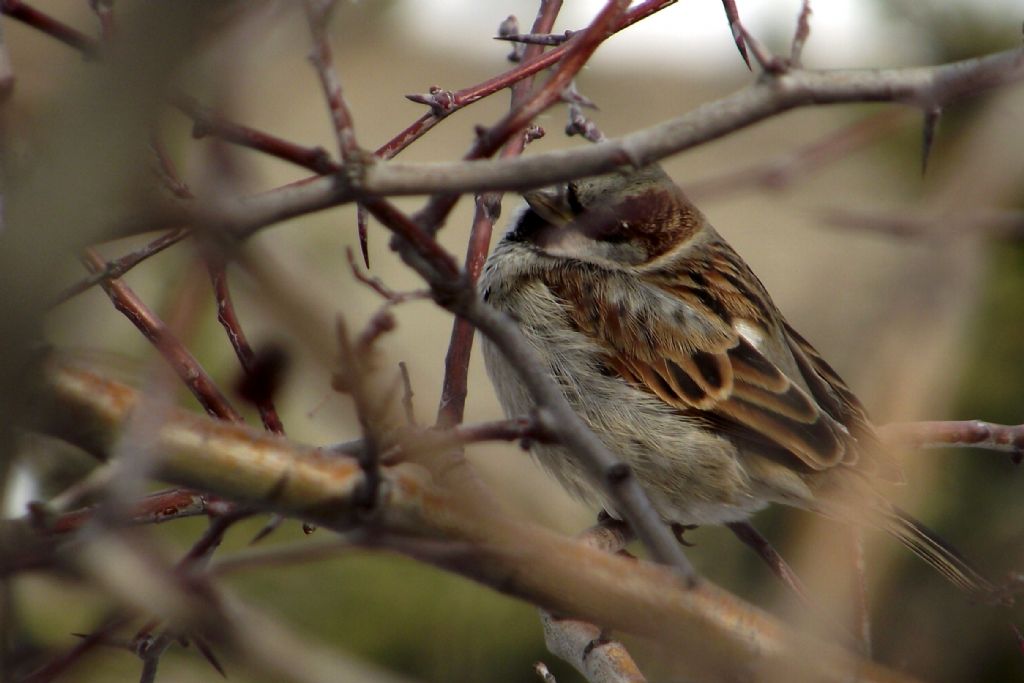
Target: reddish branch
969,433
118,267
153,509
451,408
228,318
318,13
207,122
443,103
170,347
50,26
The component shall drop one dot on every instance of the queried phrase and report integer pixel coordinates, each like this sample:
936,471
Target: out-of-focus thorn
362,218
207,652
574,96
733,15
931,122
267,529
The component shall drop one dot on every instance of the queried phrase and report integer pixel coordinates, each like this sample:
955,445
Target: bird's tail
943,557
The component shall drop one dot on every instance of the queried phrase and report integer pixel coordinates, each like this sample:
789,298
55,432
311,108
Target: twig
782,171
170,347
118,267
155,508
377,285
228,318
800,35
763,99
930,124
207,122
350,377
104,10
523,559
537,38
582,644
7,78
764,549
1008,225
967,433
407,394
318,13
52,27
443,103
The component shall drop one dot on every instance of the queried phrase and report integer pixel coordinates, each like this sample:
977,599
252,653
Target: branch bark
560,574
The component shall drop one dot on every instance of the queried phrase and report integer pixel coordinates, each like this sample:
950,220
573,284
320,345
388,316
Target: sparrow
666,344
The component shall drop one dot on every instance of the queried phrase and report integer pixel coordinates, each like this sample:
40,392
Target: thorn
733,15
931,122
207,652
270,527
362,218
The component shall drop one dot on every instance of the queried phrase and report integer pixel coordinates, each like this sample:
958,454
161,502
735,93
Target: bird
667,345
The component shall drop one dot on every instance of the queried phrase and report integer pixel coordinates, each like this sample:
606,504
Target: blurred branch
556,573
118,267
790,167
52,27
1008,224
583,644
965,434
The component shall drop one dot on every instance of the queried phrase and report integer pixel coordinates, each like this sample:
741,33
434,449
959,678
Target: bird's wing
692,343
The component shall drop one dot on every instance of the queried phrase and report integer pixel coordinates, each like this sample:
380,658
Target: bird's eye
572,196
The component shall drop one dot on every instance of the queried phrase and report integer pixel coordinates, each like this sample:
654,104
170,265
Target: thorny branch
767,97
525,560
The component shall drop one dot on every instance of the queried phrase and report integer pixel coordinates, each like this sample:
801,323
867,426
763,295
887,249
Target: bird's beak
551,204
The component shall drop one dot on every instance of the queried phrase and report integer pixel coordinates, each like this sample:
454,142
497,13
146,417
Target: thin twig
443,103
228,318
16,9
966,433
318,13
119,266
170,347
800,35
207,122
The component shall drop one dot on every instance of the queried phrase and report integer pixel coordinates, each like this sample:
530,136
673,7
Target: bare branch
318,13
522,559
800,35
937,85
118,267
966,433
163,339
207,122
52,27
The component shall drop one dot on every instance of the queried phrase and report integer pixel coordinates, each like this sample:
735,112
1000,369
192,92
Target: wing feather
696,360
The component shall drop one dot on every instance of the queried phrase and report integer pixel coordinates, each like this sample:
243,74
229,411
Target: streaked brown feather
719,374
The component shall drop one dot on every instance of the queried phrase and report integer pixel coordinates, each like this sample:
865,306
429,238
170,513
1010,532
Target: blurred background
922,326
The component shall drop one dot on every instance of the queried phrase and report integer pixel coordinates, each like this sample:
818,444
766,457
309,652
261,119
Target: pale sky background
852,33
